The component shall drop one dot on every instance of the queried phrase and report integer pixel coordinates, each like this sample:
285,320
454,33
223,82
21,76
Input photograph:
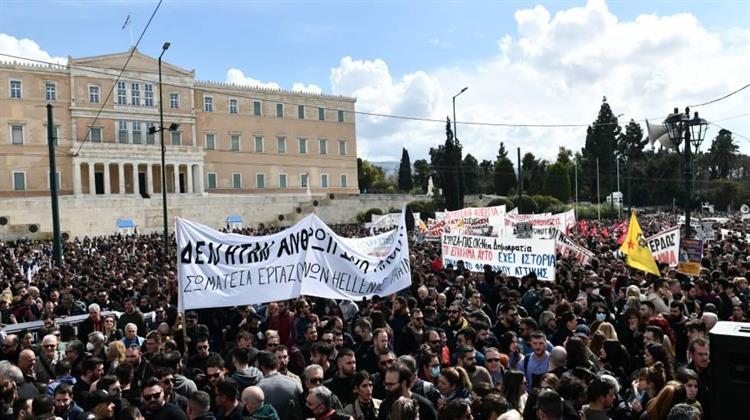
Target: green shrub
501,201
589,212
425,208
546,203
528,205
364,217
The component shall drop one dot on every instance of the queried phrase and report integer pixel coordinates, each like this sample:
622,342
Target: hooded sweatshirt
265,412
248,376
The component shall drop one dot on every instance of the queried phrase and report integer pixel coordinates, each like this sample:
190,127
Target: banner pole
185,346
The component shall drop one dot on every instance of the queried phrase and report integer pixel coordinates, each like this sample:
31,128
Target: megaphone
658,133
745,209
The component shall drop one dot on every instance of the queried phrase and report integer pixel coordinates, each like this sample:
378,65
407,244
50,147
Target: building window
258,144
322,114
50,91
212,180
233,108
19,181
149,134
95,135
260,180
343,181
211,141
237,181
16,134
282,180
122,94
135,94
280,110
341,116
302,146
174,100
136,132
281,144
176,138
301,112
324,180
208,104
94,94
256,108
122,131
234,142
323,146
303,180
15,89
342,147
148,95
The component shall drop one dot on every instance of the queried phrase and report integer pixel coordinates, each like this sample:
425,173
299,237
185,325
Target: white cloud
237,77
554,69
25,48
311,88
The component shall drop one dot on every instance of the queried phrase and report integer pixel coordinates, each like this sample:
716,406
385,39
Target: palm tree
722,153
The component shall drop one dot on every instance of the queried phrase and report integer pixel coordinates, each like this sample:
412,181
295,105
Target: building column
176,171
150,179
121,177
92,178
77,187
136,191
189,176
201,185
107,189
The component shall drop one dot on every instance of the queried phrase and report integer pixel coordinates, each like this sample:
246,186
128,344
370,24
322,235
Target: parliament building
220,138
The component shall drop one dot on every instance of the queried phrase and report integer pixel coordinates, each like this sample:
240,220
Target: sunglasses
434,341
315,381
49,346
213,375
149,397
492,360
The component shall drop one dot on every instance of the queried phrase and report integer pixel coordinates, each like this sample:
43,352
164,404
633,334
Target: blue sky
416,54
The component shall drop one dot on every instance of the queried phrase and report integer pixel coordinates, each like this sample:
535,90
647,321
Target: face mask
601,316
436,372
89,347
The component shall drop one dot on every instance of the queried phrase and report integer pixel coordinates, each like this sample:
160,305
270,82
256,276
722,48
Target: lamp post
163,152
455,134
692,130
459,170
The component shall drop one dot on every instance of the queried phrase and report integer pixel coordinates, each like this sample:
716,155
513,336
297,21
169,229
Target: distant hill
389,167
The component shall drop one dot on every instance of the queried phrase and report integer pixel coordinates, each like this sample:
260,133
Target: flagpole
598,196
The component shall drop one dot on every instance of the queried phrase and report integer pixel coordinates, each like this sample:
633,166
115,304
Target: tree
487,176
369,176
421,174
470,168
556,182
446,161
505,175
564,156
722,154
533,173
404,172
601,143
630,144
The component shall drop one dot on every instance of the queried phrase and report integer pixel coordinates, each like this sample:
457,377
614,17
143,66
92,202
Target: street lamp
153,130
455,134
693,131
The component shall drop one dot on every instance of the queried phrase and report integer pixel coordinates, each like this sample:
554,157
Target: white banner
543,225
387,221
515,257
217,269
567,247
481,221
665,246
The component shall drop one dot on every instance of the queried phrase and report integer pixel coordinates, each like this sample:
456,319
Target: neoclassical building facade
219,138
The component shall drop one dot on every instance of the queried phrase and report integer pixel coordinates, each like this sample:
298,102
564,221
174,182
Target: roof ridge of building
263,89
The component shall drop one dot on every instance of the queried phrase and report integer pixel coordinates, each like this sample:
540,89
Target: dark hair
505,341
462,351
267,360
42,404
64,389
124,372
228,389
492,403
360,377
649,304
685,374
598,387
63,367
345,352
469,333
657,331
404,373
550,403
90,364
131,412
241,356
455,409
322,348
106,381
201,400
512,382
659,353
577,353
214,361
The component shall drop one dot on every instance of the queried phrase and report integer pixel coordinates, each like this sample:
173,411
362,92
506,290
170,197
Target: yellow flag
637,250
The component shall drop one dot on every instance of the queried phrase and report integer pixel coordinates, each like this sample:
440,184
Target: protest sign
386,221
217,269
691,253
515,257
543,225
482,221
567,247
665,246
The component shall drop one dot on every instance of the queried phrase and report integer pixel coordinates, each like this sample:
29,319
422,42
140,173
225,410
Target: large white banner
515,257
387,221
218,269
567,247
665,246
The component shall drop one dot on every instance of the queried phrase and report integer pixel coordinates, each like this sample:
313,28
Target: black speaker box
730,370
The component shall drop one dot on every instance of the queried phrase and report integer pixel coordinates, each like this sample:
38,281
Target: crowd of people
602,341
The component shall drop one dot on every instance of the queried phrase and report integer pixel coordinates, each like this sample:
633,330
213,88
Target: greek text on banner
514,257
217,269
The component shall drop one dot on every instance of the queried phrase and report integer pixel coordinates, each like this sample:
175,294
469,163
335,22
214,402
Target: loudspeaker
4,220
33,228
657,132
730,370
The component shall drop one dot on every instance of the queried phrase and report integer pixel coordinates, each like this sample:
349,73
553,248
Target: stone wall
98,215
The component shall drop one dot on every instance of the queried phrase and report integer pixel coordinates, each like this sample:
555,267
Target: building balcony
129,151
